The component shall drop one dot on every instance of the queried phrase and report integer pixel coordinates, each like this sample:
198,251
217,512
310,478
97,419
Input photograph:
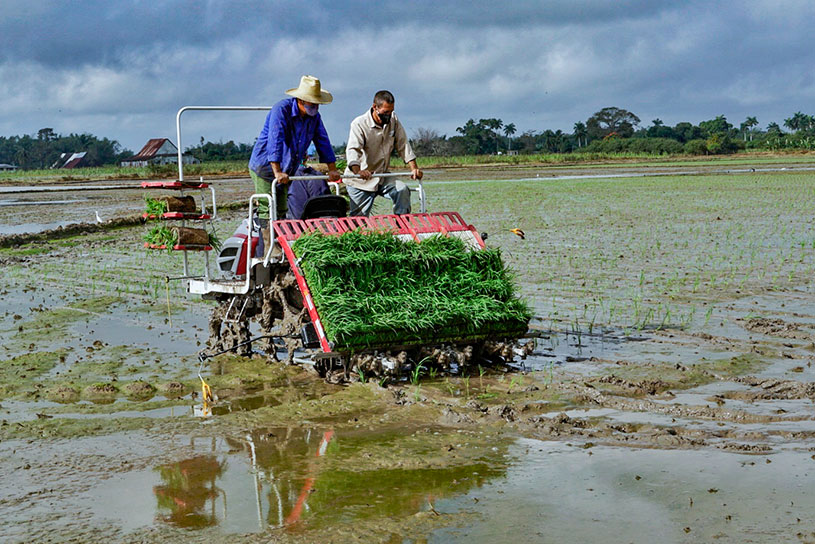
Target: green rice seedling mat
372,289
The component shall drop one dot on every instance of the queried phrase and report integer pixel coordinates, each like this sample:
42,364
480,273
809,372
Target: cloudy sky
122,68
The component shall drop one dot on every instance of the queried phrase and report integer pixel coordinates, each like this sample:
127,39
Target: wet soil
691,426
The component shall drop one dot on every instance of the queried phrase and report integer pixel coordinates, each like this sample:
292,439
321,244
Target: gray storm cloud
122,69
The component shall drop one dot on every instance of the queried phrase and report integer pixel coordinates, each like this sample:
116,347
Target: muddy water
272,480
610,435
276,478
556,493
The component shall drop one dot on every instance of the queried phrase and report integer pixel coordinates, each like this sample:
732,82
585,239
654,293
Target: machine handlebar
354,176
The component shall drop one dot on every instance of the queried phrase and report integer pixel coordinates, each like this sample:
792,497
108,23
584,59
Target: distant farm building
158,151
6,167
70,160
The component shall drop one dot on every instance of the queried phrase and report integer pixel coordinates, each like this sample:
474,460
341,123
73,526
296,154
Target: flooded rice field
669,397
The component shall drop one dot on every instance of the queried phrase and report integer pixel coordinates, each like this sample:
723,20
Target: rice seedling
708,315
373,289
154,207
416,373
160,235
548,373
515,381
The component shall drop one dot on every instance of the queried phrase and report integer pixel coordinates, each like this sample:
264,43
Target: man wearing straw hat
374,136
291,125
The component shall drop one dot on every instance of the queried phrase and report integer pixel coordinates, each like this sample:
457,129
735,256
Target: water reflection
295,477
187,487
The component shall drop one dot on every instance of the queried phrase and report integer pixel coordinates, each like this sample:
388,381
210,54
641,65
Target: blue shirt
285,138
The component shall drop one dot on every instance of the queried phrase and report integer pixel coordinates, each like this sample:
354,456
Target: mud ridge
589,394
772,389
14,240
774,327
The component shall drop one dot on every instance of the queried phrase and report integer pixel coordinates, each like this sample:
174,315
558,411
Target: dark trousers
301,190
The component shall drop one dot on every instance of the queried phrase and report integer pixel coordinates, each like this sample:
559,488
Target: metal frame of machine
245,294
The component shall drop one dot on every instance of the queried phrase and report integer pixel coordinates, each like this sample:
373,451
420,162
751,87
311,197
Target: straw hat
310,91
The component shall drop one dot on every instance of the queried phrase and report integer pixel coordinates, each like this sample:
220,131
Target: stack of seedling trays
374,289
181,208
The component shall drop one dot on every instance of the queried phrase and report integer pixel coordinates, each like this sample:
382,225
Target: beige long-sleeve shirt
370,146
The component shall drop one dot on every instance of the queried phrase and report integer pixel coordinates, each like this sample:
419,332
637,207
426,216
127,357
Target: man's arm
279,175
354,150
415,173
276,136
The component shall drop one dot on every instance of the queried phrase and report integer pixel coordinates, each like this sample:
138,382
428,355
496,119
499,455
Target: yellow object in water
519,232
206,391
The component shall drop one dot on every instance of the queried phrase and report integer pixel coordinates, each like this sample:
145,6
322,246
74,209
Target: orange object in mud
519,232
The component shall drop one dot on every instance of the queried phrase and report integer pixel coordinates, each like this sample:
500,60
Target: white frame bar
203,108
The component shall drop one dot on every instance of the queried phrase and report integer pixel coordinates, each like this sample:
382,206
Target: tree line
211,151
43,150
610,130
616,130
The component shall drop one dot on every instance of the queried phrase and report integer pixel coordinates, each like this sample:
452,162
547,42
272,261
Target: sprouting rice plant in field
417,371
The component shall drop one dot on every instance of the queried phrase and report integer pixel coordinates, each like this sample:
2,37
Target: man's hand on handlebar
364,174
334,175
282,178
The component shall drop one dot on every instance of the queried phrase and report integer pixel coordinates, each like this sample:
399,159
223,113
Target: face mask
311,109
384,117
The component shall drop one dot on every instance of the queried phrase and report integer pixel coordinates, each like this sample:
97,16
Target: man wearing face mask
291,125
374,136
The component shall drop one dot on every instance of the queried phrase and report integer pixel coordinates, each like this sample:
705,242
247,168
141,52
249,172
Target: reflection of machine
301,477
187,486
264,465
308,485
267,286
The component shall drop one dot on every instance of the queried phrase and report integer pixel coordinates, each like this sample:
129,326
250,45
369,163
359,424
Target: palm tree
580,132
509,130
750,122
798,121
